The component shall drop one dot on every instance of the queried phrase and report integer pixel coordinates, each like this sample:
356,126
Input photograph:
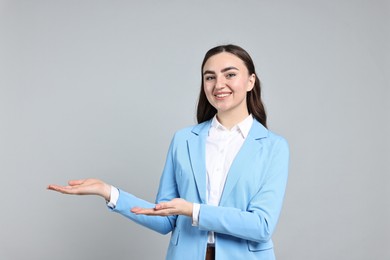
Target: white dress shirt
222,146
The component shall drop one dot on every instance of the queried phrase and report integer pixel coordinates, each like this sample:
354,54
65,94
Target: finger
143,211
165,205
160,206
76,182
135,209
54,187
152,212
62,189
50,186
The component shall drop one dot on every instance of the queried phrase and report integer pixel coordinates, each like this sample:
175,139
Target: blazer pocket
175,237
255,246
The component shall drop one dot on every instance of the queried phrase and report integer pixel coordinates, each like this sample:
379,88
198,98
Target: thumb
75,182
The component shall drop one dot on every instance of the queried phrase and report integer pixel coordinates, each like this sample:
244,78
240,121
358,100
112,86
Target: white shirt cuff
114,195
195,214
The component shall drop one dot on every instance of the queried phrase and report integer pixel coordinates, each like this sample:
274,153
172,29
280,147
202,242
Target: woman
223,183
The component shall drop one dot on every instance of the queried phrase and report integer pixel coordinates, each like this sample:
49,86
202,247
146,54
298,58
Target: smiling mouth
222,95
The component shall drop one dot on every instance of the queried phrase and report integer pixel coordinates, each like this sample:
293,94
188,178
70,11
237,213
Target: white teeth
222,95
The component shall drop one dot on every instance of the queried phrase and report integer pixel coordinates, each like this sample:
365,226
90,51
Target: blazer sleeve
167,191
257,222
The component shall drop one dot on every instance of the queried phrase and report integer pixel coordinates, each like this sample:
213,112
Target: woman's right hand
84,187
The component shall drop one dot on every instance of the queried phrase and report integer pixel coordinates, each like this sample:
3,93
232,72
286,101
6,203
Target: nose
220,82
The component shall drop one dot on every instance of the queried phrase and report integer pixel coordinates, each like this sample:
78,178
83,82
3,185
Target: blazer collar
197,151
257,131
202,129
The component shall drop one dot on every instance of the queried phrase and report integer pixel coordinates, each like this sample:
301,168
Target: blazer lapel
249,148
197,151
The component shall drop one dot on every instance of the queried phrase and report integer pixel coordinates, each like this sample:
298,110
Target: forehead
223,60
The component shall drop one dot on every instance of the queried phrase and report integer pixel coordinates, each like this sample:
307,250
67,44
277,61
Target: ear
251,82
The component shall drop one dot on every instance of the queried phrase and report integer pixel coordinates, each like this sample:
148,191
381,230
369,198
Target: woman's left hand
174,207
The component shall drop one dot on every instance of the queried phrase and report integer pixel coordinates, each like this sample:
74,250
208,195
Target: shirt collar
243,127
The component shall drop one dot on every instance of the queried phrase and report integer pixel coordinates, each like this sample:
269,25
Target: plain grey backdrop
98,88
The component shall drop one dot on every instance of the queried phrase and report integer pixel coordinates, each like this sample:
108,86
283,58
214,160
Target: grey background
97,89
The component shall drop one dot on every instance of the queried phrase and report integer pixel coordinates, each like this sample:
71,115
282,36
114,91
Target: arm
126,201
126,205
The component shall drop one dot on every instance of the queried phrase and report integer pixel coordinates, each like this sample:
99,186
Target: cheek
244,86
208,90
209,95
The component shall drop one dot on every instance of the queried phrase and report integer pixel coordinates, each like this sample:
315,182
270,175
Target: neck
229,120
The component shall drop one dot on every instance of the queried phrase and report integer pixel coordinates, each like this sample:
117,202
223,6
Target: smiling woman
235,55
224,180
226,83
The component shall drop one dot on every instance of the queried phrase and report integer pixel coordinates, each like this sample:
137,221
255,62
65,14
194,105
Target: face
226,81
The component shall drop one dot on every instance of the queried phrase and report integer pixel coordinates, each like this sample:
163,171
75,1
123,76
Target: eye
208,78
230,75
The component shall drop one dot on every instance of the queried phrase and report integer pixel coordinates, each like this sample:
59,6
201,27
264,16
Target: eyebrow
223,70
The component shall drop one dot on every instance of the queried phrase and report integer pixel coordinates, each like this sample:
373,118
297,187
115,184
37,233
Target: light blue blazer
249,207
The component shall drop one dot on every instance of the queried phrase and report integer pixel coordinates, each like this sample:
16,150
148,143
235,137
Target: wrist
106,192
191,209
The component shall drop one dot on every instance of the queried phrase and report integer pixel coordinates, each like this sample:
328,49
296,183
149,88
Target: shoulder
277,145
182,136
268,137
274,137
191,131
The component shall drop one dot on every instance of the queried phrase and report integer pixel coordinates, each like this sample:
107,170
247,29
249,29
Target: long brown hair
206,111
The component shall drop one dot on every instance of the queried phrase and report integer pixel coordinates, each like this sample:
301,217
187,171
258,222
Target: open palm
84,187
